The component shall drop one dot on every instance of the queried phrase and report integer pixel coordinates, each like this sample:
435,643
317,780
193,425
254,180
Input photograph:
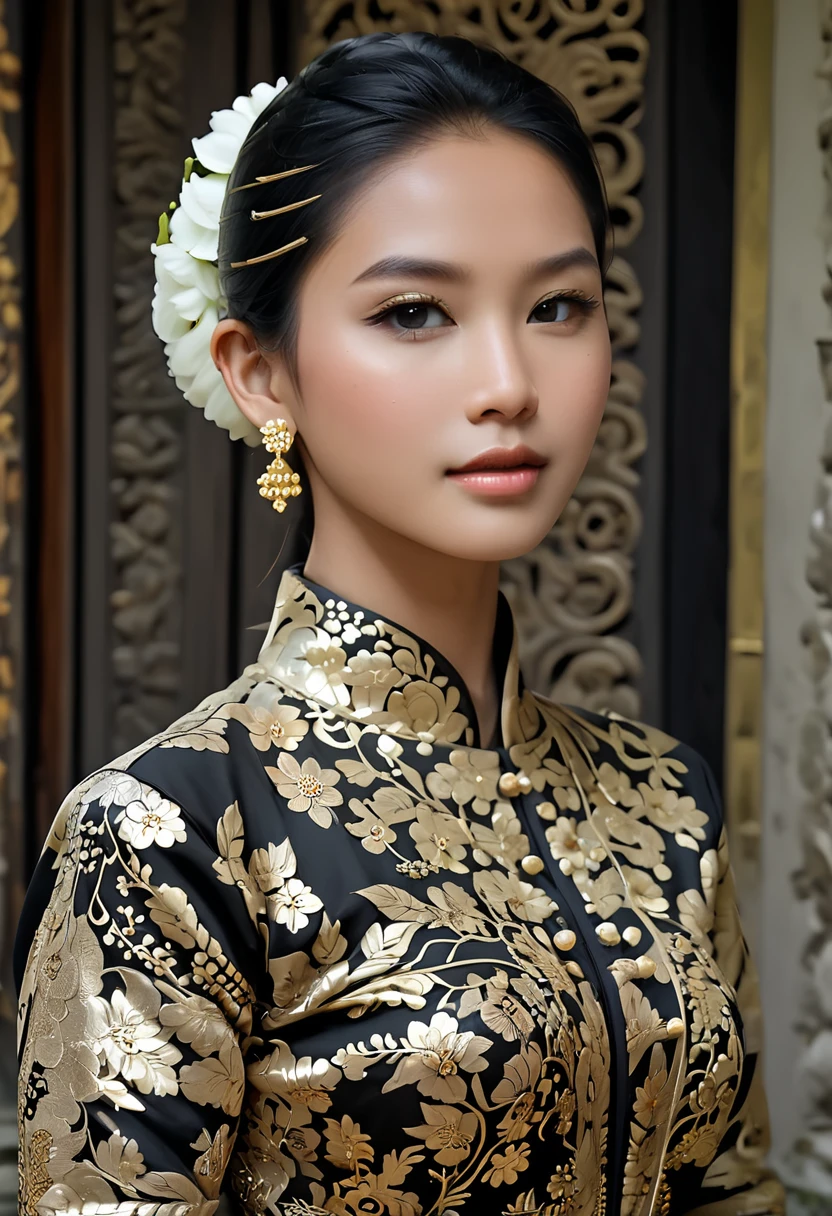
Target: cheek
361,412
577,397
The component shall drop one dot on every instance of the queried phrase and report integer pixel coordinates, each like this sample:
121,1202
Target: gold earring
278,482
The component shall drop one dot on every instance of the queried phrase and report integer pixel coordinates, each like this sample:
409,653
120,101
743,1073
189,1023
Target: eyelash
586,304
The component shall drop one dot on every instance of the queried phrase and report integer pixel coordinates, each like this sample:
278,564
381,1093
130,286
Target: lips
503,459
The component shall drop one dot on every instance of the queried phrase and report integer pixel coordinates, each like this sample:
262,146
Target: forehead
491,199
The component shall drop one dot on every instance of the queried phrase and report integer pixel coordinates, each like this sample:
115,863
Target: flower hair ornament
187,299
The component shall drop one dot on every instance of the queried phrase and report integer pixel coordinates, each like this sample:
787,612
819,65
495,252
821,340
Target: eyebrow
396,267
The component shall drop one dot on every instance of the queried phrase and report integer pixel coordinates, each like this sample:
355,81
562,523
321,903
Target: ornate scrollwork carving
148,414
572,592
810,1161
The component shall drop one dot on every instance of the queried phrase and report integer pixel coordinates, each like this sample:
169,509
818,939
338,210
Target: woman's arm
738,1183
134,1008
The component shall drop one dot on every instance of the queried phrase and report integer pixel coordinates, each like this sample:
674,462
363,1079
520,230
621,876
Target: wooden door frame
52,485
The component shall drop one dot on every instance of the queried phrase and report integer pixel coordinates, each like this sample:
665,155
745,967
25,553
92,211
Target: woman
376,929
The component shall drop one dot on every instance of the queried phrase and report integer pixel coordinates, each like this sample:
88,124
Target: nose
504,384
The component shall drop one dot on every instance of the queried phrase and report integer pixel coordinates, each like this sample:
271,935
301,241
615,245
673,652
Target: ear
252,379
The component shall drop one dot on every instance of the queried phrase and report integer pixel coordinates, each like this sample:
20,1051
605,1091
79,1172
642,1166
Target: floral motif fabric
317,950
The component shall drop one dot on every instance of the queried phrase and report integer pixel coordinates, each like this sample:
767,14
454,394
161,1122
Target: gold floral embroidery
310,943
271,724
308,787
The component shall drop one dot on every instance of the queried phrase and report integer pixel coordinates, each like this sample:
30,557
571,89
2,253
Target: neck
450,602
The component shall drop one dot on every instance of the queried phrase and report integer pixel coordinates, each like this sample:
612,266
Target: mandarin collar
366,667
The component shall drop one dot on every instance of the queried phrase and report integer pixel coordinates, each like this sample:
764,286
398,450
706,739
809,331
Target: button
646,967
512,784
675,1028
532,864
632,935
508,785
565,939
608,933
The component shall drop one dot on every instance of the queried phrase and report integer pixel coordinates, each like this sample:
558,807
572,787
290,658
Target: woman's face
458,311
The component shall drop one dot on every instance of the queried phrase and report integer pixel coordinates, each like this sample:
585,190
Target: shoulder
635,756
172,810
204,762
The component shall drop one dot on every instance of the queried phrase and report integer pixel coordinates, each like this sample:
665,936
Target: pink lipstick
500,471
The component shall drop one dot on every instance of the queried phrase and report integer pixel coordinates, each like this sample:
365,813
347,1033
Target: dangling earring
278,482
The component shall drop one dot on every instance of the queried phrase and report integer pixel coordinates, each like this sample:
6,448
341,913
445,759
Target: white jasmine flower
195,225
187,301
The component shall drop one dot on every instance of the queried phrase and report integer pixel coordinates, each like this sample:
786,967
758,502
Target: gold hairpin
267,215
264,257
273,177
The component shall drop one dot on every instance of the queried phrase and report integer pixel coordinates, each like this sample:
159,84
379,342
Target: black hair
361,103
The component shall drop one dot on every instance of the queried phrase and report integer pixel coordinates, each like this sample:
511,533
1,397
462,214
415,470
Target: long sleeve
738,1183
134,1008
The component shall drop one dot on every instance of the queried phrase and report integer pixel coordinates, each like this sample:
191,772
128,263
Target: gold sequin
565,939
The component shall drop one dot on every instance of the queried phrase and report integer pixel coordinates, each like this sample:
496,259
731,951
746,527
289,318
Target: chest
500,989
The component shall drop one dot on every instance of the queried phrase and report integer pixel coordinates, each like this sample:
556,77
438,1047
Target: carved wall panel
148,414
573,592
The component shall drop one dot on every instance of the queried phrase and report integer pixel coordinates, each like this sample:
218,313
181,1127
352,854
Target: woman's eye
560,309
412,316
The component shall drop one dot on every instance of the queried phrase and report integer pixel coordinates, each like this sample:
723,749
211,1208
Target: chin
493,539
